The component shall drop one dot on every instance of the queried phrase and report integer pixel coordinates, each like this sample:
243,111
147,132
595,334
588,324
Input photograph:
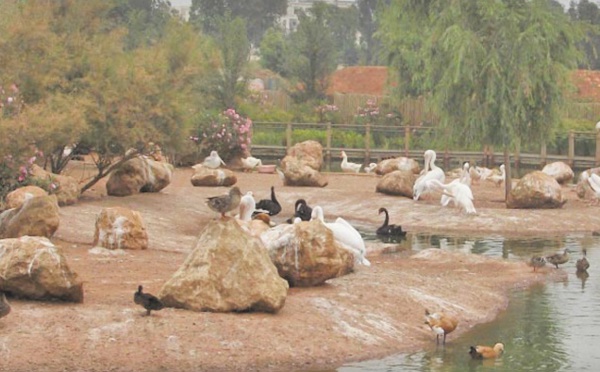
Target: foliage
343,26
145,20
370,47
273,51
259,15
228,133
327,113
312,55
588,14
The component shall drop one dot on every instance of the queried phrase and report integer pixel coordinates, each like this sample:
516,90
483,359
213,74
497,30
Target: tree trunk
507,177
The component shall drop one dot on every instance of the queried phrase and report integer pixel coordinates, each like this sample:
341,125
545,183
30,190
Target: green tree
273,51
588,14
313,54
260,15
145,20
367,26
495,71
343,25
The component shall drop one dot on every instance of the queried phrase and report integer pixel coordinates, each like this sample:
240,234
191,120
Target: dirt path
373,312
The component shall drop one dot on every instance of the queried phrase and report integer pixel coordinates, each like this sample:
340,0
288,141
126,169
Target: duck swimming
486,352
389,230
582,264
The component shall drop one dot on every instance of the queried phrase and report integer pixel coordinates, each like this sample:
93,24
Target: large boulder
228,270
583,188
401,163
561,171
204,176
398,182
306,253
302,164
140,174
120,228
536,190
34,268
38,216
17,197
65,188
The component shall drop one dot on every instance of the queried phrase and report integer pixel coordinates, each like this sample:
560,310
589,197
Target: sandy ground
373,312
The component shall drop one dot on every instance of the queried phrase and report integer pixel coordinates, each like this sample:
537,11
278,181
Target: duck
537,262
147,301
389,230
349,167
269,206
225,203
459,193
345,234
213,161
496,178
431,171
486,352
4,306
250,163
441,324
301,211
558,258
582,264
370,168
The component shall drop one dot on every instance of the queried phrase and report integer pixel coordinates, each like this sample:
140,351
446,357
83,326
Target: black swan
389,230
301,210
269,206
148,301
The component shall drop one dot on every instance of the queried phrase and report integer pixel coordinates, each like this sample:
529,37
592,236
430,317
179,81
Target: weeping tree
495,72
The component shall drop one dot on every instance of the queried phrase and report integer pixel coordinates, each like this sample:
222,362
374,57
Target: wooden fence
271,141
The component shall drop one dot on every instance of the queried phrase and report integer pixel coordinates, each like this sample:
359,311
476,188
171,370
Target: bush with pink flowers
229,133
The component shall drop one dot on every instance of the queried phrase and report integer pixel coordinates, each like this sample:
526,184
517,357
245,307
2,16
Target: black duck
148,301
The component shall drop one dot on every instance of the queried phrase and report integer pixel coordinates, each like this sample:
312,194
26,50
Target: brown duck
225,203
441,324
486,352
4,306
582,263
148,301
558,258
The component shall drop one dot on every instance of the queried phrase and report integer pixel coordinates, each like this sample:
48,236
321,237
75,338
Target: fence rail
370,143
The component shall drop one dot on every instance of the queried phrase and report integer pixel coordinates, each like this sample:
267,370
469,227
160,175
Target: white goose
213,161
370,168
457,192
498,178
250,163
431,172
349,167
345,234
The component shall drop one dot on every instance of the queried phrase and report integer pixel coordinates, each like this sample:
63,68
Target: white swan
370,168
345,234
498,178
457,192
213,161
250,163
349,167
432,172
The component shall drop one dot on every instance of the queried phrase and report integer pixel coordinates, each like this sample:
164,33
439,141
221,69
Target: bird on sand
213,161
225,203
250,163
348,166
537,262
582,264
441,324
302,211
389,230
270,206
486,352
148,301
558,258
4,306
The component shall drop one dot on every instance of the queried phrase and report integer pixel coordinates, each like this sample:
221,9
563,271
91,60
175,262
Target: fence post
328,146
288,136
597,147
543,154
406,140
571,159
367,143
517,155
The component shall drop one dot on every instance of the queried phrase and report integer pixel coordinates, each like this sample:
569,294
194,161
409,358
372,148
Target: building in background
289,21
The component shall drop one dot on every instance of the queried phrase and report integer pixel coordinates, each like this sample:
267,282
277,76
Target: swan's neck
273,198
387,218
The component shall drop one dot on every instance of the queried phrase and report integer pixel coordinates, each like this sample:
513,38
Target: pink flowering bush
368,113
229,133
326,112
15,172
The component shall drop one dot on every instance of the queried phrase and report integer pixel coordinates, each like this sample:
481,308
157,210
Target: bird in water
301,210
148,301
4,306
389,230
537,262
269,206
225,203
441,324
486,352
582,264
558,258
213,161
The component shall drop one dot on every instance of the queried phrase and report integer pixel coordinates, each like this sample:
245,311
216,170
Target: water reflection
549,327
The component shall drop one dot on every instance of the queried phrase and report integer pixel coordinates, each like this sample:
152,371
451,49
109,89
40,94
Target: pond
551,327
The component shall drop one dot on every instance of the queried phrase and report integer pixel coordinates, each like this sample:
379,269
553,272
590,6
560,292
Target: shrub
228,133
